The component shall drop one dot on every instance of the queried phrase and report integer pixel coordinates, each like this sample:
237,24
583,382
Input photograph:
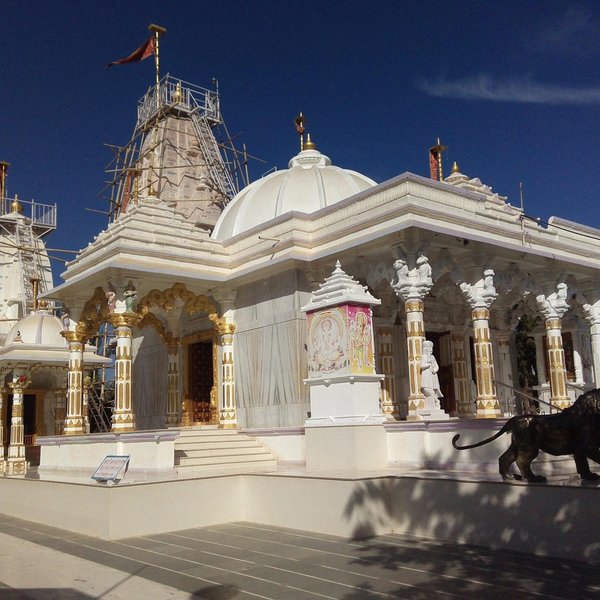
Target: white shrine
235,314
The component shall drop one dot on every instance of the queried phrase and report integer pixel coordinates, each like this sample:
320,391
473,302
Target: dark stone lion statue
575,430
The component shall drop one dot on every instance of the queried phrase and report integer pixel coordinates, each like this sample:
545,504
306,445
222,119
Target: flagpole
158,31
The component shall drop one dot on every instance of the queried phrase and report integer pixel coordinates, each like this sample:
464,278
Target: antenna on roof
521,196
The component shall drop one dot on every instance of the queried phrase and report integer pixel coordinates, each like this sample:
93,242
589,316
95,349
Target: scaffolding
24,224
134,169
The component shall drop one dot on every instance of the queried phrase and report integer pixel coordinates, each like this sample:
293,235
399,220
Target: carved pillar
60,401
87,386
389,406
2,413
173,393
480,296
227,412
553,306
504,374
412,286
225,329
459,373
16,463
592,314
123,418
74,424
415,336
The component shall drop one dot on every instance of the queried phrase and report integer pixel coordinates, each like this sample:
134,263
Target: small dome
41,328
310,183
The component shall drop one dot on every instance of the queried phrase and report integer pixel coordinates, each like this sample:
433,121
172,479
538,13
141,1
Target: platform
544,519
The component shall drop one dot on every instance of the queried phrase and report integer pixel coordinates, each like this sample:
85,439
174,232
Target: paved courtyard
245,560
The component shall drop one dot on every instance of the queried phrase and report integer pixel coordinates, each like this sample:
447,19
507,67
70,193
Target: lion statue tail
505,429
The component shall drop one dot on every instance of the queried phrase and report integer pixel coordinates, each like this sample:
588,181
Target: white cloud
575,32
484,87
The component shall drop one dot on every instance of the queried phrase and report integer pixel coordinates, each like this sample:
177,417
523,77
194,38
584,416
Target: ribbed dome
310,183
40,328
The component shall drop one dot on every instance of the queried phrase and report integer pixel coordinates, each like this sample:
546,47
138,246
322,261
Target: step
211,439
230,443
224,460
207,431
266,467
202,452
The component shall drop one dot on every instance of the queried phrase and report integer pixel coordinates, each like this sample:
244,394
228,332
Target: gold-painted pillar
227,412
386,363
123,418
556,362
459,373
16,463
173,392
415,336
74,424
87,390
2,413
487,403
60,410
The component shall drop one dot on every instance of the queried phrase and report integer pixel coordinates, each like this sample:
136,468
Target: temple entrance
200,378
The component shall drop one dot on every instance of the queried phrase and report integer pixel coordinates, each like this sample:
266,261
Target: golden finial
309,144
455,168
15,206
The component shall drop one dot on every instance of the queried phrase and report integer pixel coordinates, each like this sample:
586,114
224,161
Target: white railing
42,215
176,93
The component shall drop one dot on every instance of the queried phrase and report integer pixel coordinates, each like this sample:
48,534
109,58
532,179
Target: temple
292,312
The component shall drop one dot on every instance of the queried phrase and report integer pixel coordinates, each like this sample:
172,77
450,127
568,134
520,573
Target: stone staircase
208,448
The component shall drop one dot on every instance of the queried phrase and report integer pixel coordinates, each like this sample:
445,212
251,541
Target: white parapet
148,450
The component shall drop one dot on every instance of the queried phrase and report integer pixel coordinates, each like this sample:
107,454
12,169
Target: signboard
110,467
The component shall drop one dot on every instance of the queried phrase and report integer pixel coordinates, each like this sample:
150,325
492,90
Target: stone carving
482,293
413,283
327,331
554,305
130,296
111,299
430,383
576,431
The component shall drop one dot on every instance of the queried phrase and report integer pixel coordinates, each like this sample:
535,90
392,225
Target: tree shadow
216,592
496,534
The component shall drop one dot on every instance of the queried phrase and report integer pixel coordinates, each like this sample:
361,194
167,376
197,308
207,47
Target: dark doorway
200,379
29,425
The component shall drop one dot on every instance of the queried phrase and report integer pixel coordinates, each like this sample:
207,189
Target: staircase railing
524,403
98,411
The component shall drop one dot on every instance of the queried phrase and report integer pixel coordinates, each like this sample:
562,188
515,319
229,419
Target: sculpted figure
575,430
430,383
111,298
129,300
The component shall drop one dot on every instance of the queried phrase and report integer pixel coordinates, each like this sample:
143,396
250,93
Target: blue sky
513,89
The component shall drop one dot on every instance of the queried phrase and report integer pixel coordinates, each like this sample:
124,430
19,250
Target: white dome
41,328
310,183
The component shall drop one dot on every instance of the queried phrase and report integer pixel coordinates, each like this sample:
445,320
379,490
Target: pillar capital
124,320
554,304
481,294
412,284
74,336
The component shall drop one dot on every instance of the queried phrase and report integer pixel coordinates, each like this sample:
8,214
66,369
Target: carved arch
95,312
165,300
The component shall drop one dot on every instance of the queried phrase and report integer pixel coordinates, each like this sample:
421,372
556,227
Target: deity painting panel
361,340
327,343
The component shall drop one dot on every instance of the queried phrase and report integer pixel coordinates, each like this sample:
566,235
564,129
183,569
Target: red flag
433,163
144,51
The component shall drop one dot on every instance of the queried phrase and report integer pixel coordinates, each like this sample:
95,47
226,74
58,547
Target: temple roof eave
378,213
